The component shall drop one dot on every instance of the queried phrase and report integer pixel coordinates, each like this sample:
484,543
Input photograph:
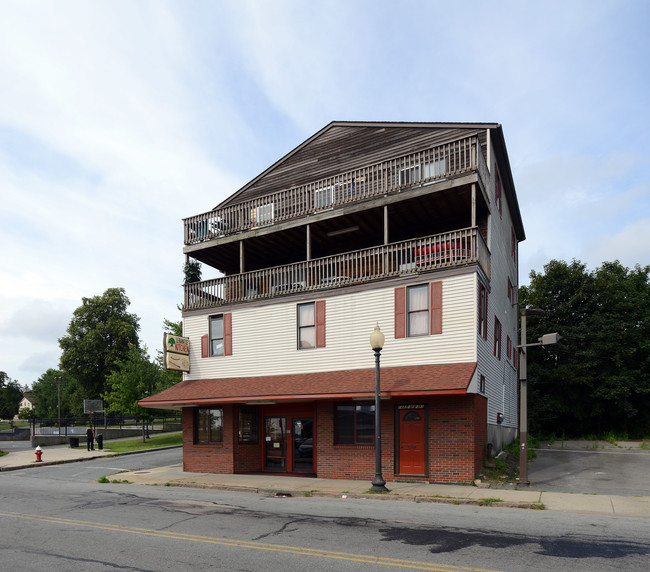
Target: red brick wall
456,443
456,440
457,437
212,458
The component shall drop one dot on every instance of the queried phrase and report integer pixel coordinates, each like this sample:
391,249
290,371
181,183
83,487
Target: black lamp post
377,343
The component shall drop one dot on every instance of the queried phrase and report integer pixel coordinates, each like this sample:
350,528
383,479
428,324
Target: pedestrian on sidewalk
90,437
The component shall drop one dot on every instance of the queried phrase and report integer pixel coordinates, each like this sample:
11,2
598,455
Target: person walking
90,437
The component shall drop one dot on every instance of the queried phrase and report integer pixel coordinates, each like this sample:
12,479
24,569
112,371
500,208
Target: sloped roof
341,145
395,382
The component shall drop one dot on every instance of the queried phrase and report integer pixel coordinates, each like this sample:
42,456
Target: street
61,518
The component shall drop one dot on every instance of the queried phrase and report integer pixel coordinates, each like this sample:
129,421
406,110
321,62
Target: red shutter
436,307
227,334
205,346
400,312
320,324
485,317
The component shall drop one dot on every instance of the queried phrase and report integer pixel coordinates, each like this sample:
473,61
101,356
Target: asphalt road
61,518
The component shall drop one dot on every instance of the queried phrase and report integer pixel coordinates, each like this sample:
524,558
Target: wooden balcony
411,171
447,250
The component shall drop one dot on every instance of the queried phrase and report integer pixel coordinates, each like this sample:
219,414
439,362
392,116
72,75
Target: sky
120,117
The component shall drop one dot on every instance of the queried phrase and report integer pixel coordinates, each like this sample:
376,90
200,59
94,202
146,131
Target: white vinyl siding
264,338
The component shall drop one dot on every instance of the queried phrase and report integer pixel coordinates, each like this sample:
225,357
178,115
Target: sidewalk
277,485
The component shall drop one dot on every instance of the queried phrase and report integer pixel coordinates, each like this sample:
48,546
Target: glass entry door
275,444
303,445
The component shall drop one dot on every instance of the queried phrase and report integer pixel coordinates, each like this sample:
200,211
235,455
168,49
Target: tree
192,271
100,334
135,378
45,392
597,379
26,413
10,395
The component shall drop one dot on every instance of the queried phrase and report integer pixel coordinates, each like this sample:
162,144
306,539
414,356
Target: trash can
74,441
100,441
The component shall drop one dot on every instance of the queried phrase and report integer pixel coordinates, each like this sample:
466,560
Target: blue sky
119,118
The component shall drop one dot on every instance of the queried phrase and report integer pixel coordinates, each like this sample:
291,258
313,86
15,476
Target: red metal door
412,450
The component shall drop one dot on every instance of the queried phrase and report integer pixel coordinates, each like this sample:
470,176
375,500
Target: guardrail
438,251
427,166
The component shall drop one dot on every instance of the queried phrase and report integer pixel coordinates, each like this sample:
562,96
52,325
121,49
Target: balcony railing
446,250
428,166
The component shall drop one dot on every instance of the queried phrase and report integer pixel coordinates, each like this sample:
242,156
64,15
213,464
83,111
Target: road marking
414,565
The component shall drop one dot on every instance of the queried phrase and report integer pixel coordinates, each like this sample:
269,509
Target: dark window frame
367,437
254,425
213,339
203,428
497,337
306,327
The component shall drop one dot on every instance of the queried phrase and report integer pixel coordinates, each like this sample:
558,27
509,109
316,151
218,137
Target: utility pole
546,339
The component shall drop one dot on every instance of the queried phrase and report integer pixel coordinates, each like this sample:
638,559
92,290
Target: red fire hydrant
39,453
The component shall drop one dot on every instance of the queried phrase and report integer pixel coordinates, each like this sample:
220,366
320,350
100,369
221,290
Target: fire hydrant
39,453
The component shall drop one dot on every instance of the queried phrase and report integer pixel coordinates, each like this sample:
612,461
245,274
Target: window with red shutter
436,308
400,312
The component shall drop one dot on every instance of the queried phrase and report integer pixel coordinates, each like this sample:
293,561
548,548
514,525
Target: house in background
26,402
414,226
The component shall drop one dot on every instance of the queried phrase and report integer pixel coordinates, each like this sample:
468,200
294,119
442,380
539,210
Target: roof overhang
396,382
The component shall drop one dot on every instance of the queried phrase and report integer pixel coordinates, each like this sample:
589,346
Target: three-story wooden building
414,226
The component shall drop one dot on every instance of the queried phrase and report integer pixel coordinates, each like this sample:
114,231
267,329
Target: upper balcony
413,171
441,251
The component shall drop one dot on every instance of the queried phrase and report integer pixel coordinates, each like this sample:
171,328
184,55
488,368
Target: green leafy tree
45,392
597,379
135,378
99,336
26,413
10,395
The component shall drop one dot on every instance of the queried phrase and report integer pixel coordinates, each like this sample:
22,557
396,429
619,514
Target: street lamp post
546,339
377,343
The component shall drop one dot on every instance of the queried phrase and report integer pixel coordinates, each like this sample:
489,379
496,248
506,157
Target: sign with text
176,355
177,344
177,362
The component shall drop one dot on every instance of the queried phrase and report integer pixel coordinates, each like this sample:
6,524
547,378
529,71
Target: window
434,169
482,310
216,336
497,338
508,347
418,310
218,340
512,292
409,176
248,426
323,197
208,425
306,326
513,243
481,384
311,325
497,190
262,214
355,424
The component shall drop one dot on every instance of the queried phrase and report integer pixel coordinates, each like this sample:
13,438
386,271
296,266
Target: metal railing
460,247
77,425
427,166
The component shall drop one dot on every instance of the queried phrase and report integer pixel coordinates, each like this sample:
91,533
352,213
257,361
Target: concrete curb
34,464
274,492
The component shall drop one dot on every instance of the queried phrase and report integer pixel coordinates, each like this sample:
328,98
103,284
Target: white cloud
119,118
